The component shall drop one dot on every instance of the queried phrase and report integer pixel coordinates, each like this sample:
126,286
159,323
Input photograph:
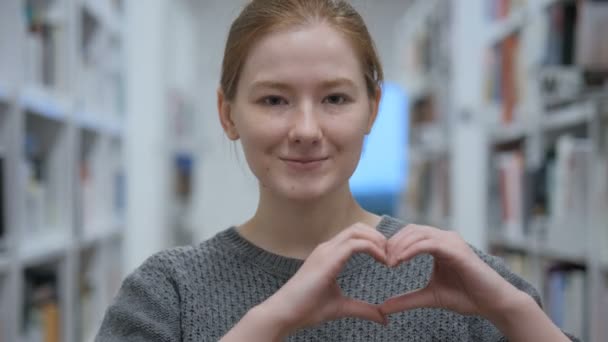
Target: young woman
300,88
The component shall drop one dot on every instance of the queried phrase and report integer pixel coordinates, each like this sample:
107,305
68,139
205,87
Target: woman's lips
304,164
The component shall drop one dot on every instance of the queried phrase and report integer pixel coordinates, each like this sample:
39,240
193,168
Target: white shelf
529,246
60,136
568,116
505,27
502,134
476,137
40,102
102,232
88,121
95,123
44,246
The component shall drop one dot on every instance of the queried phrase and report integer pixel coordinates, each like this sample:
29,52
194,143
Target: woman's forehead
314,52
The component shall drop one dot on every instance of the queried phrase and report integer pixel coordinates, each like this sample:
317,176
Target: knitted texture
199,293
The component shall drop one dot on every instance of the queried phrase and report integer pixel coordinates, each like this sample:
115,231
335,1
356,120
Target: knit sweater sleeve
483,330
146,307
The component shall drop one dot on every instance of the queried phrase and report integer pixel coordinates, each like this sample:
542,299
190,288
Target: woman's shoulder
391,225
183,260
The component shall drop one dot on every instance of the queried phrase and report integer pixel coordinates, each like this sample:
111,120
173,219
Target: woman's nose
306,128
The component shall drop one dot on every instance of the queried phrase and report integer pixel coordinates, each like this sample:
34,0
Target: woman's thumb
422,298
360,309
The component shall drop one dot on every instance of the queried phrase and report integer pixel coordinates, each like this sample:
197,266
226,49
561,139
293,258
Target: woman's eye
273,101
336,99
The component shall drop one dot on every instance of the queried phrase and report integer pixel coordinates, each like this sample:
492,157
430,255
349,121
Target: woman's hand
312,296
464,283
460,281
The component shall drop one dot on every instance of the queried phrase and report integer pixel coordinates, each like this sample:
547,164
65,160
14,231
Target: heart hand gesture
460,281
312,296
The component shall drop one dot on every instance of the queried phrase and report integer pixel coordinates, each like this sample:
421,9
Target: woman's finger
395,249
428,245
349,247
422,298
360,231
359,309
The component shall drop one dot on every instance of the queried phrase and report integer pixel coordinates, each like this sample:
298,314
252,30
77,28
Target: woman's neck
294,229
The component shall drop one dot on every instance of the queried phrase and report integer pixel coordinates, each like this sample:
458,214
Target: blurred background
493,123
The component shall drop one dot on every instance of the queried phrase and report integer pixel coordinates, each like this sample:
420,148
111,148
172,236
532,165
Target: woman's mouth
304,164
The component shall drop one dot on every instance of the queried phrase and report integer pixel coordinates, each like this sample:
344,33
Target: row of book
505,79
558,190
572,34
429,47
569,40
562,287
45,43
42,308
565,299
561,39
102,195
101,80
102,83
40,192
102,186
428,191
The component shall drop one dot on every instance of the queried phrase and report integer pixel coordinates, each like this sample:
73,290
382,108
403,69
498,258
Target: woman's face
301,112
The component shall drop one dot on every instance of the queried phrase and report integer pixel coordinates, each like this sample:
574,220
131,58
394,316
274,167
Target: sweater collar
286,267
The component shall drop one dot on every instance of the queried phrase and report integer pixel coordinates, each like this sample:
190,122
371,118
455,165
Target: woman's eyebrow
341,81
270,84
325,84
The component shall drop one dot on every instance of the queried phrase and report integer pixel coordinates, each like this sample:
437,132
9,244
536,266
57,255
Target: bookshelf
62,176
425,45
526,129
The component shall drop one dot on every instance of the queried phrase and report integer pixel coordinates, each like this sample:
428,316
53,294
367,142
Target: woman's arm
462,282
259,324
146,308
521,319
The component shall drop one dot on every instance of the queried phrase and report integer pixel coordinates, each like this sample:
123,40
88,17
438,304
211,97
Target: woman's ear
224,108
375,106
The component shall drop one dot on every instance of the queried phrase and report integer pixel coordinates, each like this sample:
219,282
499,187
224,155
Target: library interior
493,122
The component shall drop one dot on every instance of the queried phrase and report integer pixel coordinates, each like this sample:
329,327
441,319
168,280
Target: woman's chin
303,193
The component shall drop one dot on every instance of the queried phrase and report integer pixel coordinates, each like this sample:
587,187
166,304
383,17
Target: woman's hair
261,17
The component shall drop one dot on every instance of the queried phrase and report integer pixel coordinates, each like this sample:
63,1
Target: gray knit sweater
199,293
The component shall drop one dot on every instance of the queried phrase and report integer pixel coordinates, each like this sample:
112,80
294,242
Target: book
42,314
88,319
592,48
428,192
45,42
505,83
565,298
561,40
3,223
568,193
507,194
496,10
